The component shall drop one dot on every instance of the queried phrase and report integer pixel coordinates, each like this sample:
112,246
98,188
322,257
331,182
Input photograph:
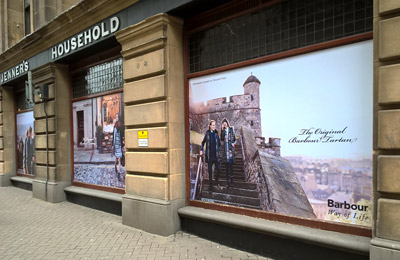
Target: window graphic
26,143
99,142
291,136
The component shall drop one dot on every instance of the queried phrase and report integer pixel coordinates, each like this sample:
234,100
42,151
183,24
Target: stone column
386,230
58,109
154,102
7,136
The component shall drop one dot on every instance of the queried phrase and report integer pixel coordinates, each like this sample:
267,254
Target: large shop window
98,126
25,134
291,136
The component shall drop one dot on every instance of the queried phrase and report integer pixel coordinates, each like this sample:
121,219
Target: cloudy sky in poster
327,90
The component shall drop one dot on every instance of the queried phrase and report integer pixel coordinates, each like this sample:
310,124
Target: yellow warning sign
143,134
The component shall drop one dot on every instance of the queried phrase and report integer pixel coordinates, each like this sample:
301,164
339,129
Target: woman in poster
228,140
20,153
213,145
118,144
25,152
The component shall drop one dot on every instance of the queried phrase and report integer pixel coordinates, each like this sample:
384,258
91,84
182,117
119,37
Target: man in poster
29,152
211,138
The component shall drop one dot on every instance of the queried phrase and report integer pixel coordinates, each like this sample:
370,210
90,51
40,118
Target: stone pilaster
154,101
386,230
59,149
7,136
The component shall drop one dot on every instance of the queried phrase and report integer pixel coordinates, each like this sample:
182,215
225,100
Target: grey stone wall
279,189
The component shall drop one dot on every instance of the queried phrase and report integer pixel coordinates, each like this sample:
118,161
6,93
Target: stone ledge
323,238
146,199
386,243
384,249
17,181
22,179
94,193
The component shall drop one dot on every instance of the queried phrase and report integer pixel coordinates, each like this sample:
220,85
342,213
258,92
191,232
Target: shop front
80,141
278,124
98,126
252,123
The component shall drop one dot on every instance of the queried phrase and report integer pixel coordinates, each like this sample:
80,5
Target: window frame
16,113
77,67
27,7
18,173
193,25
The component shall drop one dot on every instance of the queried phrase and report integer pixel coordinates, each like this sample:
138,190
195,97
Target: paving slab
35,229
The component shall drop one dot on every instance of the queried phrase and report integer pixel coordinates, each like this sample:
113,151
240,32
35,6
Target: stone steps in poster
245,201
235,184
253,193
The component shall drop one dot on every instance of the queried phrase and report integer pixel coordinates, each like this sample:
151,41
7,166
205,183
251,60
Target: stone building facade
16,14
152,39
386,235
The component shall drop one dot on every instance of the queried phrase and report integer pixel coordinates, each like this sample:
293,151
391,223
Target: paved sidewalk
34,229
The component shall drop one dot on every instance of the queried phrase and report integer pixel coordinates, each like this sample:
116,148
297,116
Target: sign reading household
82,39
291,136
86,37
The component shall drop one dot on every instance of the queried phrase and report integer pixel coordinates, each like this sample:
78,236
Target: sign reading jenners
14,72
86,37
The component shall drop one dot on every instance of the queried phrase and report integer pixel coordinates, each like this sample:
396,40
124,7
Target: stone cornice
148,35
146,26
67,24
44,74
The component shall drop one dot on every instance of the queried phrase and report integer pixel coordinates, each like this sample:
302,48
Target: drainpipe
47,147
44,96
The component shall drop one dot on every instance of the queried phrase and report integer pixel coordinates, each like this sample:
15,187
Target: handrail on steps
241,142
199,167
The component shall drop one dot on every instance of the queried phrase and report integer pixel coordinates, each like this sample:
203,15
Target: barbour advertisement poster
25,143
291,136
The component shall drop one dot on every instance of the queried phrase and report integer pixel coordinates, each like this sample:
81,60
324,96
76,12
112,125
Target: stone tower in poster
240,110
